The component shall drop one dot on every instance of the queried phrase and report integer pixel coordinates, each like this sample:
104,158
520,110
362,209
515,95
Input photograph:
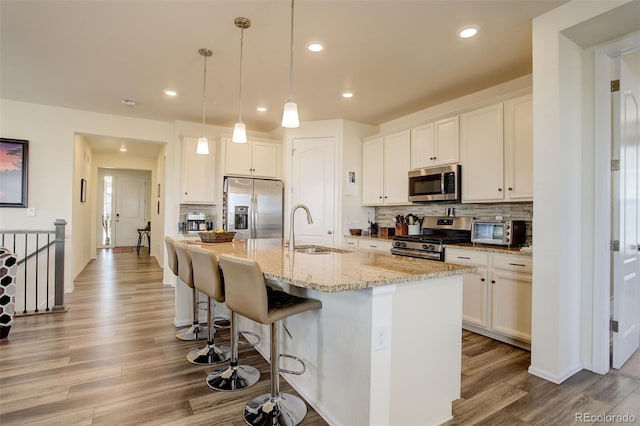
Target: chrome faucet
292,238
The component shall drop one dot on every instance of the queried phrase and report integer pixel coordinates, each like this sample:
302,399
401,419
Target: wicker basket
216,237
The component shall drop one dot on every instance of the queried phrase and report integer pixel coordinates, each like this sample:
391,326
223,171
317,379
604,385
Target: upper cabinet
386,163
198,173
435,144
497,146
518,148
254,158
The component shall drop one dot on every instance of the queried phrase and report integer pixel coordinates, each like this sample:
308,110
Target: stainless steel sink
319,250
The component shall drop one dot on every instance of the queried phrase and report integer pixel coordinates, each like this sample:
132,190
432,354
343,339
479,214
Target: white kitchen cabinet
198,173
386,163
518,148
496,144
474,285
436,144
511,304
254,158
481,144
496,298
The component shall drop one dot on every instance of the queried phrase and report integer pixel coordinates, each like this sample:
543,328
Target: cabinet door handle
517,264
380,197
482,279
463,257
493,281
385,196
499,189
510,189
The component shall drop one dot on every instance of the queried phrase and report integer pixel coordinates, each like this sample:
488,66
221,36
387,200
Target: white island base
381,356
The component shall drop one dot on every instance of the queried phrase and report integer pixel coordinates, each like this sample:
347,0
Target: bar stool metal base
288,410
210,354
233,379
197,332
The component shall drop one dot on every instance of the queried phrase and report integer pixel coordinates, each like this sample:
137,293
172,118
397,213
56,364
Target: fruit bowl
216,237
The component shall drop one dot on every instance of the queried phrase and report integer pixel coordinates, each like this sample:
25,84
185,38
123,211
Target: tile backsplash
508,211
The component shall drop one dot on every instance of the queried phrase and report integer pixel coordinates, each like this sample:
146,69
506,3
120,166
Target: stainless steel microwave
499,232
435,184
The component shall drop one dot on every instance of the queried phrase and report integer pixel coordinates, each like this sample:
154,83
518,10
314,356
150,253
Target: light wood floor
114,359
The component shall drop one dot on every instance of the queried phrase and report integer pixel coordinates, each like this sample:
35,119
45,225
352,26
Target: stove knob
427,246
506,233
400,245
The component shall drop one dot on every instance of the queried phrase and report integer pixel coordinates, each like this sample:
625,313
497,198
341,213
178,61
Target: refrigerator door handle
254,216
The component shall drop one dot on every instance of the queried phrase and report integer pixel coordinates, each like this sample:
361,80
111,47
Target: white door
313,184
130,208
626,261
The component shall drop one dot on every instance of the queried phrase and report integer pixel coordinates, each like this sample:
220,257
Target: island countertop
345,270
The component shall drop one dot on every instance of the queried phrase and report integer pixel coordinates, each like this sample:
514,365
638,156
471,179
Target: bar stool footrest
248,342
295,358
221,321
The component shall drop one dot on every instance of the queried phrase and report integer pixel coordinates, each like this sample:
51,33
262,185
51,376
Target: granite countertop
337,271
492,249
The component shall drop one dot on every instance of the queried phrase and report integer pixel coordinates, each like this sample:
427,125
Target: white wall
53,185
563,192
81,227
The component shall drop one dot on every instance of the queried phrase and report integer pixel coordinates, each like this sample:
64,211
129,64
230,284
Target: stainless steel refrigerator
253,207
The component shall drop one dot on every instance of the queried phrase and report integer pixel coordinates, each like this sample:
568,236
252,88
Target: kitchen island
385,349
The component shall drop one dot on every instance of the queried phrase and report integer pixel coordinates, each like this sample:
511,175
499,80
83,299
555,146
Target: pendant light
239,130
203,144
290,117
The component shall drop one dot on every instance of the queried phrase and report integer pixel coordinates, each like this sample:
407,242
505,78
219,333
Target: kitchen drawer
513,263
466,257
351,243
375,245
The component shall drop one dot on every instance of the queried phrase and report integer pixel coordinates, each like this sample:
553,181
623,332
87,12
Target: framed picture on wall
14,160
83,190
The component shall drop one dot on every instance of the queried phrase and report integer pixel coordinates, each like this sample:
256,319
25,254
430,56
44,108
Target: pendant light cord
240,91
291,57
204,88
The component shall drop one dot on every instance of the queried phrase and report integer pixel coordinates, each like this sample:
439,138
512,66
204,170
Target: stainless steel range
437,231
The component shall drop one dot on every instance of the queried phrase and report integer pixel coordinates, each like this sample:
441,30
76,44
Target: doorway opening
107,213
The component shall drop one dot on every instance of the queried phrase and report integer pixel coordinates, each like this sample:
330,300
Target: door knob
329,232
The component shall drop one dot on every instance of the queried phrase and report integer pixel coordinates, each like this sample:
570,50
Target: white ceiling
398,56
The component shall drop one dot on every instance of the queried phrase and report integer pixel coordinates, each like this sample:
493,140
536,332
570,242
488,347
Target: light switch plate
31,211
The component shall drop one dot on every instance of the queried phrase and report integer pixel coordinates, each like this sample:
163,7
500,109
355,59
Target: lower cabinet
496,299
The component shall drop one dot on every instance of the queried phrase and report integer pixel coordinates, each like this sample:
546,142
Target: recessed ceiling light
468,32
347,94
128,102
261,108
315,46
170,92
123,149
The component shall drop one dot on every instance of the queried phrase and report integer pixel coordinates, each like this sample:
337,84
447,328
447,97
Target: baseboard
497,336
555,378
